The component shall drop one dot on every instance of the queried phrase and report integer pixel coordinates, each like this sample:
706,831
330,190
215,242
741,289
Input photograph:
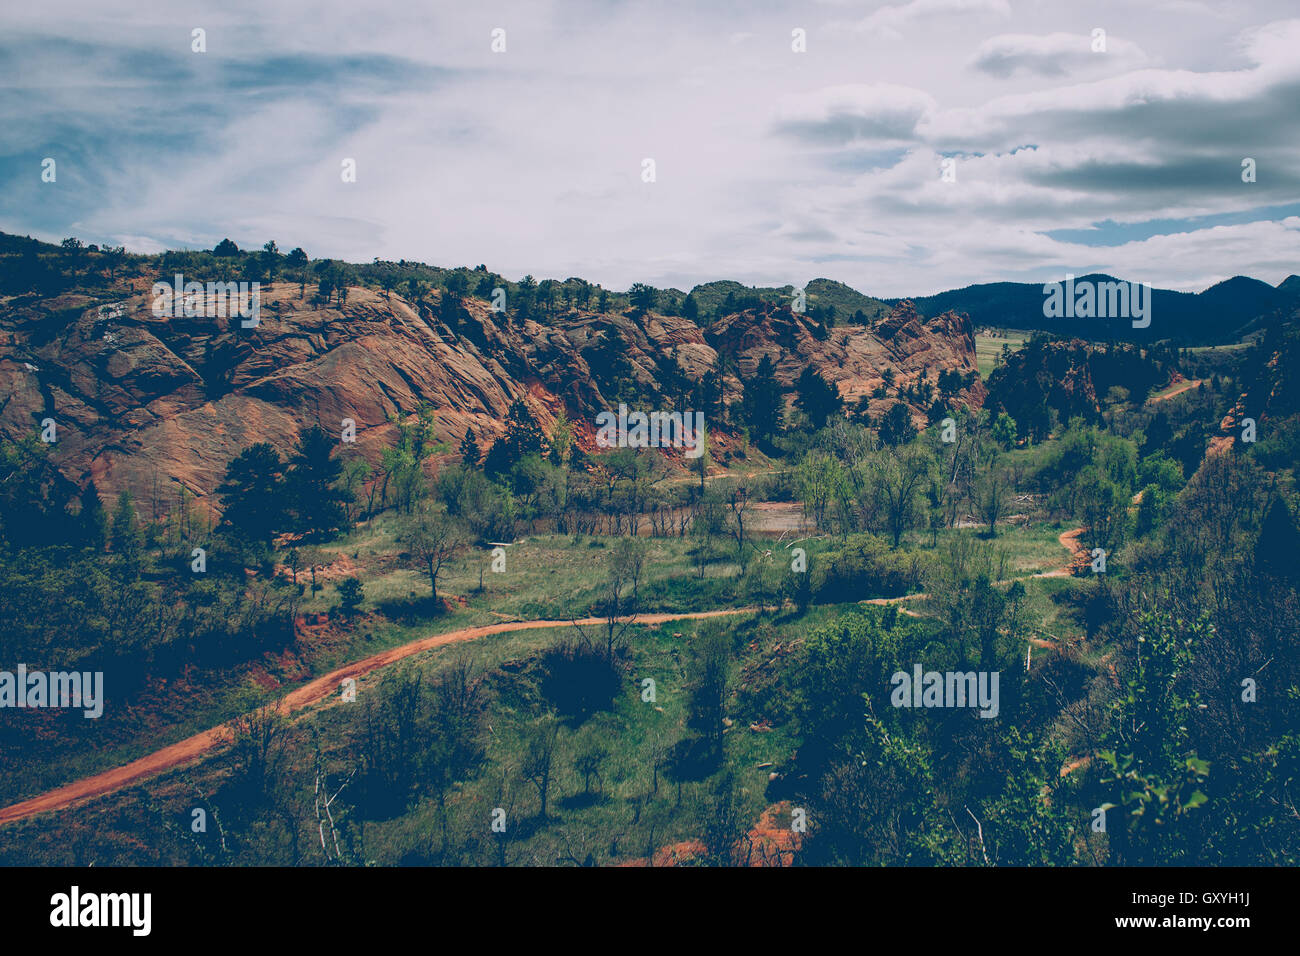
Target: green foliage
92,519
312,481
707,678
642,296
579,679
33,496
864,568
1004,431
839,664
764,404
253,495
818,398
489,510
523,437
896,427
1154,780
351,595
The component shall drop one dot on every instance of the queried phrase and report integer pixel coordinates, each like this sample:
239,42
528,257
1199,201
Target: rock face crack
181,397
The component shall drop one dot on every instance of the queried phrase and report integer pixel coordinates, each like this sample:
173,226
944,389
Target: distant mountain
1219,314
846,300
821,294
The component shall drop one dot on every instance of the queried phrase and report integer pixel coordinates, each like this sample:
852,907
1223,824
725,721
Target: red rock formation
140,398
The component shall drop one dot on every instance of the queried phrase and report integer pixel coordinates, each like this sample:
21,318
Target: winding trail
1178,389
317,691
321,689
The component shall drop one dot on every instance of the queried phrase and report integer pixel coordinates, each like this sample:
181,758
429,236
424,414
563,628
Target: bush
351,594
866,568
579,679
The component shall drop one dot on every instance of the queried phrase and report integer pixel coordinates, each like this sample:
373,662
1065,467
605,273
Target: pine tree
818,398
126,532
94,522
690,308
1279,542
523,437
469,450
313,476
896,427
764,404
253,495
561,440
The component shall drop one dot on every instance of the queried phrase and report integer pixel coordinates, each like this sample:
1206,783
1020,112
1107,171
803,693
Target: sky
771,165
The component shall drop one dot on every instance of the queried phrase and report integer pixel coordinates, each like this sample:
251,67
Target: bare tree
621,593
738,503
259,749
329,843
588,760
991,491
898,477
433,538
539,758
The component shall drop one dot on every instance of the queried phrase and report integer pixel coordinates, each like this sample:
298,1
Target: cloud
889,20
1054,55
878,113
773,167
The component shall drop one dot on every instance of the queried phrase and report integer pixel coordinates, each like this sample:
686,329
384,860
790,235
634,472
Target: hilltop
141,399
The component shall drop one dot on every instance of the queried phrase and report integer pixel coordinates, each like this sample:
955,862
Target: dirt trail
192,748
1079,555
1182,387
1079,558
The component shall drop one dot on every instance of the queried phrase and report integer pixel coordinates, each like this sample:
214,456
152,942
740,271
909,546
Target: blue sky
772,166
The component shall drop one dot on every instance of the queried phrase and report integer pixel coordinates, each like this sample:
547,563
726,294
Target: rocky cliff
140,399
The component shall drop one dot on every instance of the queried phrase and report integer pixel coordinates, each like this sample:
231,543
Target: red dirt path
317,691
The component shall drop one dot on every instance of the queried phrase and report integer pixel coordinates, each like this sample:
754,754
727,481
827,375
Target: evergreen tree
351,593
764,405
523,437
126,532
312,478
561,440
253,495
1279,543
690,308
642,296
818,398
896,428
469,450
94,521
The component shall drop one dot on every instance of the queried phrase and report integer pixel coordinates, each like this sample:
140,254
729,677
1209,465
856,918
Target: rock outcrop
140,399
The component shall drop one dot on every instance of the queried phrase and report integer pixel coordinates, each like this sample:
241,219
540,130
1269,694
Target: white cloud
1055,54
853,113
773,167
889,20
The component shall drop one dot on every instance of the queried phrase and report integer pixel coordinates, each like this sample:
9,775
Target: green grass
547,577
554,577
989,347
1158,396
600,826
